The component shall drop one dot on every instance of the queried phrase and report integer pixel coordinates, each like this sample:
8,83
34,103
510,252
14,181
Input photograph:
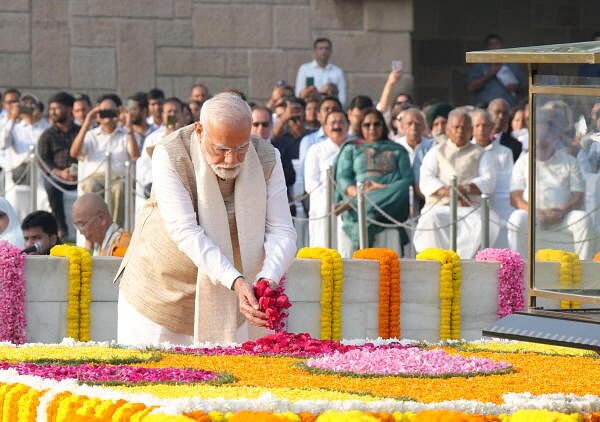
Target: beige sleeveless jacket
157,279
462,162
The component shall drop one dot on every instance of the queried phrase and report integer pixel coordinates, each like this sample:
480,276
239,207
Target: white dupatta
217,317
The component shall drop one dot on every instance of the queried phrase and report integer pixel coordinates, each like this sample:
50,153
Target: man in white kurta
217,221
17,137
502,158
560,189
319,158
474,170
171,110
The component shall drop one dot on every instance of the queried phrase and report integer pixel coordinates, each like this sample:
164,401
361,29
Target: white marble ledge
46,278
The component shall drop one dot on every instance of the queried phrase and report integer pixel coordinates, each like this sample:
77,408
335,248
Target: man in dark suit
500,111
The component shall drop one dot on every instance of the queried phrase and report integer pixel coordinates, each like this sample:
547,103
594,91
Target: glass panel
583,52
567,195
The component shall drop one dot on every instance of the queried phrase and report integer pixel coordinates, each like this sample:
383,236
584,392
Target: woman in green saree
384,169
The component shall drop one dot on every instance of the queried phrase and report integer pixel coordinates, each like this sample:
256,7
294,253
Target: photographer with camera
172,116
90,148
23,128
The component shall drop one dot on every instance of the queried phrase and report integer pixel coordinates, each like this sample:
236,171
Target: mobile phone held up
310,81
25,110
396,65
171,121
108,113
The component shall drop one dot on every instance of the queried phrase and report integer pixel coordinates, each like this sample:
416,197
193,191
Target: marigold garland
450,282
511,284
331,289
19,403
12,294
389,288
80,277
569,273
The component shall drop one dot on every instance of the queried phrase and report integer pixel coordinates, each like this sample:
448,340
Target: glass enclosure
556,185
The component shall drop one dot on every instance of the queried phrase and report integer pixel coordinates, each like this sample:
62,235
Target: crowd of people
401,154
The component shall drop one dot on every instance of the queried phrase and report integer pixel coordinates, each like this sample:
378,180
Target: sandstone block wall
129,45
445,30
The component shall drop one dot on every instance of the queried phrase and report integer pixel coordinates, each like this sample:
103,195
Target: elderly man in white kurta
502,157
560,190
475,175
217,220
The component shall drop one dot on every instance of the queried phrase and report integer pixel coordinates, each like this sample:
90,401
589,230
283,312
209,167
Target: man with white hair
474,171
502,157
560,189
217,220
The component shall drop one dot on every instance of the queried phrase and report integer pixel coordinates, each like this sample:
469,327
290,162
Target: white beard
220,170
226,173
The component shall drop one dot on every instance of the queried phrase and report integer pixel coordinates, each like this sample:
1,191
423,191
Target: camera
171,121
108,114
25,110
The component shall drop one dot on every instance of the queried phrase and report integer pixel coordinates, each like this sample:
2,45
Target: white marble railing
47,297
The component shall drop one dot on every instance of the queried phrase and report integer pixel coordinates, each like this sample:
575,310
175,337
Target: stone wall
445,30
97,46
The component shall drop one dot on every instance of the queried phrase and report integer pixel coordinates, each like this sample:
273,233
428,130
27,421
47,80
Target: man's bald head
91,217
90,202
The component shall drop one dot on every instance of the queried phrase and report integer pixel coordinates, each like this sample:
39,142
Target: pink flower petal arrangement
116,374
284,344
274,302
406,361
511,285
12,293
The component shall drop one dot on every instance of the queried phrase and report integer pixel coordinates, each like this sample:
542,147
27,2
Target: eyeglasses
295,119
82,226
263,124
223,151
374,124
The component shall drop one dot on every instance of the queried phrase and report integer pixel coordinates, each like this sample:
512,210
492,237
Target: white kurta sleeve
312,172
342,87
280,235
6,134
300,79
518,180
486,179
178,214
429,182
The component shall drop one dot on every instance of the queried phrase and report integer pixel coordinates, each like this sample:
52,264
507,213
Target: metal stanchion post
32,179
127,221
453,212
108,182
485,221
363,240
329,201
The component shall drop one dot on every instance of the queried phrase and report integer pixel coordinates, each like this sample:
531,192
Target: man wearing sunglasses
262,124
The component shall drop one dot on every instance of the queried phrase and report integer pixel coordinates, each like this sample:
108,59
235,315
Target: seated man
502,157
560,192
92,218
40,232
475,175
